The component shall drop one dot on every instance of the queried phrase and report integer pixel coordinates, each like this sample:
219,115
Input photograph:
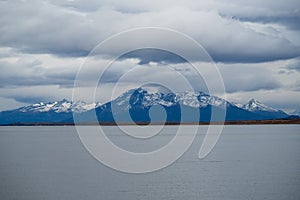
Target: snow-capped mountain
264,110
135,104
144,105
254,105
145,98
51,112
59,106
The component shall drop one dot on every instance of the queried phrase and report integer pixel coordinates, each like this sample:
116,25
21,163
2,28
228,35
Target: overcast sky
255,45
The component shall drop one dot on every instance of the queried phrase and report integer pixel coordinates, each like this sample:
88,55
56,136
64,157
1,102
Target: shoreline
245,122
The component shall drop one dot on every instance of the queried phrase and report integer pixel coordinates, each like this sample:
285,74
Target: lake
248,162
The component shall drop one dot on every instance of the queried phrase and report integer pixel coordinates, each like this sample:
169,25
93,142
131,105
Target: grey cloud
285,13
295,66
30,99
284,71
38,27
296,86
42,27
32,75
291,20
35,94
237,79
154,55
263,85
30,70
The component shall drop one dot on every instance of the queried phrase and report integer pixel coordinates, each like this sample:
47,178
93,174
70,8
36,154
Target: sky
254,44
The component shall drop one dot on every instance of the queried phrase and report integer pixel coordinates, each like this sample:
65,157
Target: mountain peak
63,105
253,100
255,105
149,96
64,100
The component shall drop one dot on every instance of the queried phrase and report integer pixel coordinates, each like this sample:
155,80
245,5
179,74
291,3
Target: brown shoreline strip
248,122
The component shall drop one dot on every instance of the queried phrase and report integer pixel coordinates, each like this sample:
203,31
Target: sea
247,162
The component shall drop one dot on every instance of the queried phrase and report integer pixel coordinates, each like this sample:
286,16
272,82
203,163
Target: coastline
245,122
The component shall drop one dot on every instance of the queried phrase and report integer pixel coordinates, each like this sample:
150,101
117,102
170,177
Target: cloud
285,13
154,55
40,27
21,69
71,29
258,78
35,94
290,20
42,69
294,66
237,78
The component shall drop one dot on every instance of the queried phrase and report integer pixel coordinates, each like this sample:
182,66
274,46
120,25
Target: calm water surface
248,162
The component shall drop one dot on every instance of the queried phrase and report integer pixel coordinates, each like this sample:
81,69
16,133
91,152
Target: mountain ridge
140,105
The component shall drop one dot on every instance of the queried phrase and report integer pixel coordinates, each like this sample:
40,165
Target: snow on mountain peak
145,98
60,106
254,105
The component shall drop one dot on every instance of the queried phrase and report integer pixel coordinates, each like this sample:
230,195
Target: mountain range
144,106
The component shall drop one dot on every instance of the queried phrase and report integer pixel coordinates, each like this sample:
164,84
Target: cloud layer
72,29
255,43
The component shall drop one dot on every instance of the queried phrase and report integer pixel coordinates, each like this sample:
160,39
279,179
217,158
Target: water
248,162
